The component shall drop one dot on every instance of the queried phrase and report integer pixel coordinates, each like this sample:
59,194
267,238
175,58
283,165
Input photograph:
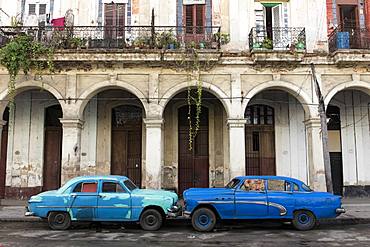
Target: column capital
72,123
312,123
153,122
236,122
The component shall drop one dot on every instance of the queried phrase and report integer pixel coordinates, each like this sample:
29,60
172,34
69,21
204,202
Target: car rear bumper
340,210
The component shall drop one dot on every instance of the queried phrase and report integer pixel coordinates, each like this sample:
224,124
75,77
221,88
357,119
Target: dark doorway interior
193,164
336,163
3,155
348,17
52,148
260,140
126,148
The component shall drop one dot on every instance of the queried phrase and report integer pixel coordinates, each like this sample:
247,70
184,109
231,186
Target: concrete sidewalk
358,212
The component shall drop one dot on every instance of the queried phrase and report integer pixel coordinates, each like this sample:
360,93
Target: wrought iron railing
277,39
128,37
349,38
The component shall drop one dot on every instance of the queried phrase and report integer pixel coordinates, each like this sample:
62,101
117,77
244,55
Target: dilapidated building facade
118,105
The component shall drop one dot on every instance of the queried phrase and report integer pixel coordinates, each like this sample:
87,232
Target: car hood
161,193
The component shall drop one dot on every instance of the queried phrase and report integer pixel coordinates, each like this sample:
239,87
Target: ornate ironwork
277,39
349,38
119,37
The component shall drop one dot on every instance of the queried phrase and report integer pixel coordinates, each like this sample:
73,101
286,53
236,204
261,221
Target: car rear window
278,185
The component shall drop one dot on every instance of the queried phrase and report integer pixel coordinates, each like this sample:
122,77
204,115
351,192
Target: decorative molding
72,123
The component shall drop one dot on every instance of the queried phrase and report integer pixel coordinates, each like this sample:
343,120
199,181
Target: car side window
295,187
112,187
253,185
278,185
84,187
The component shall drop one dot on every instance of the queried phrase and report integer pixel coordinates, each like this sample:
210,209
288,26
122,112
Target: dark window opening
256,141
42,9
112,187
259,115
32,9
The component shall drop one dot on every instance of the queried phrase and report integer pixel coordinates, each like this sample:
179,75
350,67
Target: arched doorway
52,148
3,154
260,140
193,168
126,151
335,148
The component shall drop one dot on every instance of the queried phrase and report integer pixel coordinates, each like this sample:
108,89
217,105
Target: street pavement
32,234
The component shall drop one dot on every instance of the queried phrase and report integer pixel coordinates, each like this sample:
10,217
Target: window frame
285,182
82,183
34,9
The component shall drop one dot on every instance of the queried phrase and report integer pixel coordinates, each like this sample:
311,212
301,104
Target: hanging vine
192,64
22,53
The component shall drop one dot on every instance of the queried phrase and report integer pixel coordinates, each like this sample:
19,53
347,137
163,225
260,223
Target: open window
112,187
114,20
86,187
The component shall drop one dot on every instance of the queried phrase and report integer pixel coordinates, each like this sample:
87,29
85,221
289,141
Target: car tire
304,220
203,220
59,220
151,220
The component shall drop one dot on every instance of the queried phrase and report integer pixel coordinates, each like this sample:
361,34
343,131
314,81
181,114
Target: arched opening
52,148
34,144
260,140
126,142
204,165
3,152
275,135
349,141
112,139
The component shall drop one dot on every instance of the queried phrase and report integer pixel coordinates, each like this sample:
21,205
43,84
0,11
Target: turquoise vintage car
103,199
260,197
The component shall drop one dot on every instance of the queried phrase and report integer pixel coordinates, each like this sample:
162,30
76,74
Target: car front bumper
340,210
28,212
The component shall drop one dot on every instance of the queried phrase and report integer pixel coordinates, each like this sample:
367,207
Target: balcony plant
300,44
141,42
267,43
167,40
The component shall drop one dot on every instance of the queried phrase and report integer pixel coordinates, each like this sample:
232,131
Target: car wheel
304,220
203,220
59,220
151,220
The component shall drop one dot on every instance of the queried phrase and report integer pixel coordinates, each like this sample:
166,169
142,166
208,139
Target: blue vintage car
102,198
260,197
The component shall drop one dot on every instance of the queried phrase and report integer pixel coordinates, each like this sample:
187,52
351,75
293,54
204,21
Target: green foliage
166,38
22,54
223,37
142,41
267,43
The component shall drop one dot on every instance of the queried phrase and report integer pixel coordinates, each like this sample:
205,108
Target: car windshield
129,184
306,188
232,184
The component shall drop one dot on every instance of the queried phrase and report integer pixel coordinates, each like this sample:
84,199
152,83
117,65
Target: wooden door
126,142
260,141
193,164
194,20
3,154
114,20
52,148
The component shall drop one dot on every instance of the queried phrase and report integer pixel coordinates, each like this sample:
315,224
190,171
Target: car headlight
35,199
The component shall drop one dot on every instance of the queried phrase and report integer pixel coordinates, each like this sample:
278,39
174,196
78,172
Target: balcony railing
128,37
349,38
277,39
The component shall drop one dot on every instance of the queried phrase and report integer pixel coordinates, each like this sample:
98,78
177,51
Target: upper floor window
42,9
32,9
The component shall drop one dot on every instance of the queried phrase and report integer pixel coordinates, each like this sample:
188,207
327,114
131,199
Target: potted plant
300,44
166,40
267,44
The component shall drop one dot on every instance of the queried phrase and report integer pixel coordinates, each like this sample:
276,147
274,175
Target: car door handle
102,196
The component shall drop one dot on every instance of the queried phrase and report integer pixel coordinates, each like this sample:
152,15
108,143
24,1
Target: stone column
236,147
71,148
315,155
153,171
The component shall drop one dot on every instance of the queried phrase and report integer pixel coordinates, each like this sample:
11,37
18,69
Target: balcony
349,38
277,39
122,38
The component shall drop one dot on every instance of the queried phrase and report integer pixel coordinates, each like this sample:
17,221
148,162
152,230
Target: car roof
96,177
271,177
